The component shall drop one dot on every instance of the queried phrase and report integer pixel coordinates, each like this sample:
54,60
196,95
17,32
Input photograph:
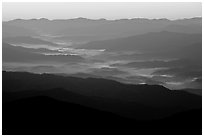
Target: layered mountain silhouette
84,76
133,92
44,115
51,104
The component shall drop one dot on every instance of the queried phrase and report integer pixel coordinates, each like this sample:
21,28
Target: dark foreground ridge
49,104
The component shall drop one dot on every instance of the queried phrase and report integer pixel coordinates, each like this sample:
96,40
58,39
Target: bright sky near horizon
107,10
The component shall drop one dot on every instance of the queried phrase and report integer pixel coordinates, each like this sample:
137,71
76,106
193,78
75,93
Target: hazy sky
172,10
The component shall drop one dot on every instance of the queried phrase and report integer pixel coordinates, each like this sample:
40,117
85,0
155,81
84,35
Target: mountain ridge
82,18
146,94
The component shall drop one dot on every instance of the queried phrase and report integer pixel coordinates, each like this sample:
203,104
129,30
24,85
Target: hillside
46,116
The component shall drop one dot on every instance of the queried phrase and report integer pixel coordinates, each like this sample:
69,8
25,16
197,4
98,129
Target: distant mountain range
102,29
163,36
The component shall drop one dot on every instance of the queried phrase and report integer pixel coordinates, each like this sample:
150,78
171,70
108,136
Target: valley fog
102,68
129,61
